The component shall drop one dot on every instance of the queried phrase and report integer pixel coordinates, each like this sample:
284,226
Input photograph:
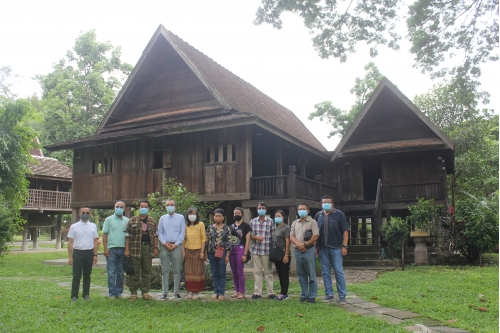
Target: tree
438,30
7,79
342,120
16,139
80,90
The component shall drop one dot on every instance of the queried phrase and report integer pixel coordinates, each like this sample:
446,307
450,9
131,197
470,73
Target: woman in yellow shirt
193,253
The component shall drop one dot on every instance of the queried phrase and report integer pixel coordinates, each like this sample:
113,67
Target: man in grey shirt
171,232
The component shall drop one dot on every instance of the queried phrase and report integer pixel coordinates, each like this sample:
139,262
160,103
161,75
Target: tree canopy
437,30
80,90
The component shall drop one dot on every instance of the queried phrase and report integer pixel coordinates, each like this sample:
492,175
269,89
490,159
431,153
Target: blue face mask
261,212
327,206
84,217
143,211
302,213
119,211
278,220
170,209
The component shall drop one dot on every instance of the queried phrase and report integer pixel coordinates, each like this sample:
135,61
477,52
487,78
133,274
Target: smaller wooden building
49,198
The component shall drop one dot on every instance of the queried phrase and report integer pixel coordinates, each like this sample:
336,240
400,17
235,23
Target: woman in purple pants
240,238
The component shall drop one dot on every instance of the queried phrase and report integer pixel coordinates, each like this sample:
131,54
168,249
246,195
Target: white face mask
192,218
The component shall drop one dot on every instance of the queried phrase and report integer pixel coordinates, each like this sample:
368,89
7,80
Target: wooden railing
414,191
43,199
290,186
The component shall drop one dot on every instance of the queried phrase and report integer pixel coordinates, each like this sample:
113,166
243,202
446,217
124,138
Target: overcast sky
280,63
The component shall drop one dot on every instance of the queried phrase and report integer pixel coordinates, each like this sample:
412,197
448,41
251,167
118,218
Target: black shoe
74,299
177,296
303,299
272,296
87,298
312,300
255,296
163,297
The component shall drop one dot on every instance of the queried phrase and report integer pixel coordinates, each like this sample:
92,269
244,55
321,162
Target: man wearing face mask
113,239
303,235
262,229
171,233
82,252
141,244
332,243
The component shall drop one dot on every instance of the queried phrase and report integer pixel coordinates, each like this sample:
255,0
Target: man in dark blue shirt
332,244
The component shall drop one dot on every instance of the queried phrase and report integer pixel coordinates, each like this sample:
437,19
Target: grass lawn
461,296
32,300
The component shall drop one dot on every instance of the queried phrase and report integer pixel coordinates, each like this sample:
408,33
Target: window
158,159
102,165
219,154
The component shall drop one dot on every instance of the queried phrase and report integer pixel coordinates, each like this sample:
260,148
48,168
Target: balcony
40,200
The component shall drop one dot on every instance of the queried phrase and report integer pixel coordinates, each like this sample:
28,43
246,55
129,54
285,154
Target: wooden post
35,238
354,230
24,247
247,215
58,231
127,211
363,233
386,191
292,182
319,179
75,215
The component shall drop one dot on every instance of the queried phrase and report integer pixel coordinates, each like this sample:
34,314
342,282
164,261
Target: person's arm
126,253
286,258
105,230
247,245
161,234
70,251
96,248
345,242
182,235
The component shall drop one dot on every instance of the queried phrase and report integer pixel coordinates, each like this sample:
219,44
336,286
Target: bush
395,232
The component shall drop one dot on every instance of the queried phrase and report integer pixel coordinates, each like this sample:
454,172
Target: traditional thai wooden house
181,115
49,198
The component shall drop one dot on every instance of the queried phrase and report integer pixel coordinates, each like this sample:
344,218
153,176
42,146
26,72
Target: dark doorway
372,172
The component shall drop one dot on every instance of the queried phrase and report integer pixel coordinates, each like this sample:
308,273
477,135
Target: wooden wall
184,158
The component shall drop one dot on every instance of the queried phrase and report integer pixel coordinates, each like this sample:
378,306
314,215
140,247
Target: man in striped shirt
262,229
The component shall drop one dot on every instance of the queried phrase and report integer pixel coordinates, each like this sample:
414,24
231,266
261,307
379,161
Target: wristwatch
345,246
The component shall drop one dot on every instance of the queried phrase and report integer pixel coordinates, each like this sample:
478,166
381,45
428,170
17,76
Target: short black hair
220,211
262,203
83,208
282,214
190,210
240,210
302,203
145,202
326,197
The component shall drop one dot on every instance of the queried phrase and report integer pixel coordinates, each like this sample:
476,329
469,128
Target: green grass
32,300
447,294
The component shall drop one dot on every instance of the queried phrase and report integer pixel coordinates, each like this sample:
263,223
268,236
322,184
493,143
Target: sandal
133,297
147,297
235,295
214,296
221,298
195,296
241,296
189,296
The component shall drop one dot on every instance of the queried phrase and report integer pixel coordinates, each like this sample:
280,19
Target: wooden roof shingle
48,167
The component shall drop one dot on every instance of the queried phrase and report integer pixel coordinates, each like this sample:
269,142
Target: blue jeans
218,267
114,268
332,258
306,271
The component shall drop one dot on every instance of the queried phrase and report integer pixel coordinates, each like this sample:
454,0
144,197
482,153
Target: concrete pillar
420,251
24,247
35,238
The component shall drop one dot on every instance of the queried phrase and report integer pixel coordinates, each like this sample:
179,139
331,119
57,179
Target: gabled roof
406,127
48,167
229,95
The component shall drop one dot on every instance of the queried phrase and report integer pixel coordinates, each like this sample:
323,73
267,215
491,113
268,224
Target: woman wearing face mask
240,239
282,238
193,253
218,251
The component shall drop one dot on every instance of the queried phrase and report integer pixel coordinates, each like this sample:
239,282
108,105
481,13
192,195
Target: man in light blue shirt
113,239
171,232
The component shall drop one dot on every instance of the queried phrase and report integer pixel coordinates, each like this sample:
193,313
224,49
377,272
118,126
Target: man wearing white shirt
82,251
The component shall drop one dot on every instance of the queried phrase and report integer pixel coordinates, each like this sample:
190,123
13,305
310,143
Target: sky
280,63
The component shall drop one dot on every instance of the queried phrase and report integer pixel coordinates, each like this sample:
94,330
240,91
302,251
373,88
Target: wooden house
49,198
182,115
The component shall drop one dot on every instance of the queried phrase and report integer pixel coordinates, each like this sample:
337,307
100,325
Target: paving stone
382,309
368,305
391,320
356,301
402,314
446,329
419,329
429,321
361,311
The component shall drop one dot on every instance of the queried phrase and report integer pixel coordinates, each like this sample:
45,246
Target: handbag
219,251
275,253
127,266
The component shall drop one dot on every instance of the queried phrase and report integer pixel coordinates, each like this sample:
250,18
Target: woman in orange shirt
193,253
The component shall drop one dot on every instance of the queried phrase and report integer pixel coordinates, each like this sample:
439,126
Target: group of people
179,239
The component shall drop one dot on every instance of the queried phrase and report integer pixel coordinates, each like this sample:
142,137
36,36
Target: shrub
395,232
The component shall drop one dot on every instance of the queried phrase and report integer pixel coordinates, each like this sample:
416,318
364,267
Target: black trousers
283,271
82,262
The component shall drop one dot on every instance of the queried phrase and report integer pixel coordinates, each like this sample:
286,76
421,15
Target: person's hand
95,260
202,255
155,253
344,251
126,253
285,259
301,246
70,261
243,258
106,253
226,260
167,246
260,238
